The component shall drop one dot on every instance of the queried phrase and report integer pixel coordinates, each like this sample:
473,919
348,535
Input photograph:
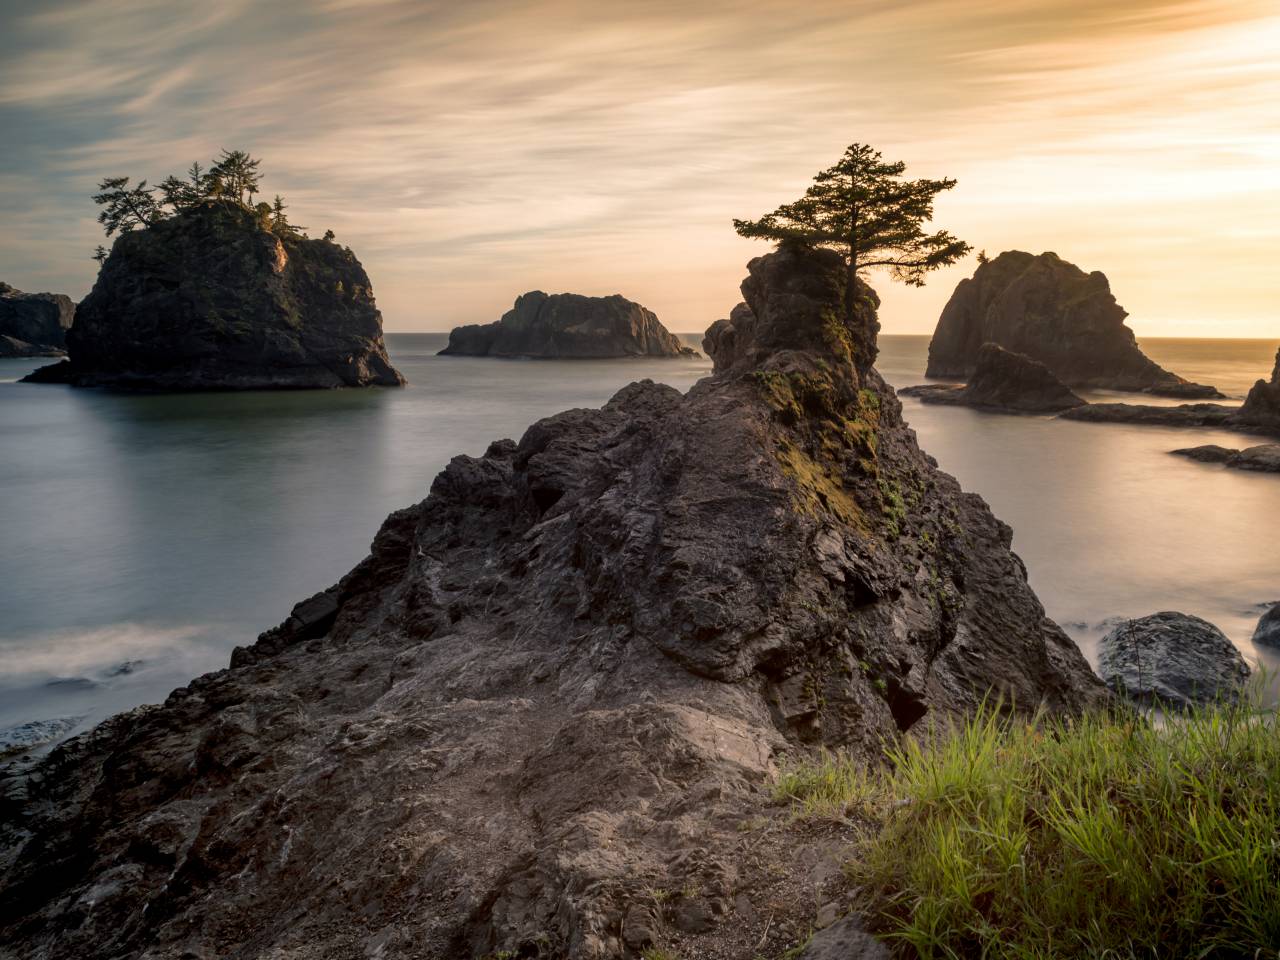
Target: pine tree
864,210
100,254
126,207
236,174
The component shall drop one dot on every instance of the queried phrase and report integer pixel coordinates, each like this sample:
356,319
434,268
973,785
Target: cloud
470,151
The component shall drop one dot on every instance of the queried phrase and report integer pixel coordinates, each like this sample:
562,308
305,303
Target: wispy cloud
471,151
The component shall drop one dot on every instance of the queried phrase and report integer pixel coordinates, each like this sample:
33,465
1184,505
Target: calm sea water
142,537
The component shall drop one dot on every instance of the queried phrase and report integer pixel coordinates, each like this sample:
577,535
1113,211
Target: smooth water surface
145,536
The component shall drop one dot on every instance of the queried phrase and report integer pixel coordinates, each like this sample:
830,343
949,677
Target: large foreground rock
1172,658
210,299
538,718
568,325
1054,312
1005,382
34,324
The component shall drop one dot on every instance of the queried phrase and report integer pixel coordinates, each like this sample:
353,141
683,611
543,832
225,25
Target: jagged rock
210,299
558,685
1173,658
1003,381
1264,458
33,324
1054,312
1262,407
35,733
568,325
1267,632
844,940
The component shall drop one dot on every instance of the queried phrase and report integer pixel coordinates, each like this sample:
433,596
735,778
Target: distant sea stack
568,325
1054,312
1262,407
1004,381
212,299
34,324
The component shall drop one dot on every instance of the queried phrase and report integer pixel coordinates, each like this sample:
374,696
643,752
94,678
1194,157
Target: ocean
142,537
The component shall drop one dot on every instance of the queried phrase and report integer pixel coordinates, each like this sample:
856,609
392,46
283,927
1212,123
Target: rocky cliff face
568,325
211,300
1006,382
1262,407
33,324
543,714
1055,313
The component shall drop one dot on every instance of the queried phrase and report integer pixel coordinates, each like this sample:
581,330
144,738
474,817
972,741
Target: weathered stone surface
540,711
1267,632
212,300
844,940
1263,458
1054,312
568,325
33,324
1005,382
1173,658
1262,407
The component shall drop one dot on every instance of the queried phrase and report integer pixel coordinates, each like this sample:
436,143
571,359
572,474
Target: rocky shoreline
548,707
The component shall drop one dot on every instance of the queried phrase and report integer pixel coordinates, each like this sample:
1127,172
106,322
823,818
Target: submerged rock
1264,458
568,325
1053,312
1006,382
559,683
1173,659
34,324
1183,415
211,299
1267,632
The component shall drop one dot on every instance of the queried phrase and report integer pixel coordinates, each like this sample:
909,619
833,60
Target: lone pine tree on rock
865,211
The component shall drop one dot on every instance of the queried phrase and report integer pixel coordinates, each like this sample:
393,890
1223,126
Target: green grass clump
828,788
1105,836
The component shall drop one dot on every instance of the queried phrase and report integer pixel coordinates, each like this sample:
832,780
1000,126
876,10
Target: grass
1106,836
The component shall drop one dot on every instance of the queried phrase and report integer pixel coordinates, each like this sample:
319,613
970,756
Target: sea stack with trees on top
565,325
536,718
205,290
1051,311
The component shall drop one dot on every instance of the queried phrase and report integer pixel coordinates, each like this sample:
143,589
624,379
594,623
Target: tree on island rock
862,209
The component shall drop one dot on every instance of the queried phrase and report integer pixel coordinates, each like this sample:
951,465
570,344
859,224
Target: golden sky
471,151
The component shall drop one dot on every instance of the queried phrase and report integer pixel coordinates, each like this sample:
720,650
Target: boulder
212,299
1268,630
568,325
1263,458
1173,659
1262,406
1053,312
33,324
533,720
1005,382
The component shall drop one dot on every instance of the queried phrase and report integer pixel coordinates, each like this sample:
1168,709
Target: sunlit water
145,536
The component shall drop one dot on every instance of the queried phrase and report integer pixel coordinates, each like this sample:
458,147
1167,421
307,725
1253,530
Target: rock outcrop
1264,458
1267,633
542,716
563,325
1262,407
1005,382
210,299
34,324
1054,312
1173,659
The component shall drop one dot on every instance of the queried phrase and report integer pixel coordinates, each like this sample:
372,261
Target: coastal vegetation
1102,835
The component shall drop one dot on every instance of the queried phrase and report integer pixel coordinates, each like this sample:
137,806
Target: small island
1054,312
1005,382
34,324
564,325
205,290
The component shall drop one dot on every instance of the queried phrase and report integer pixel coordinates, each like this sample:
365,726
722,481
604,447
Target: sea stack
1052,311
564,325
1005,382
560,684
1262,407
212,299
34,324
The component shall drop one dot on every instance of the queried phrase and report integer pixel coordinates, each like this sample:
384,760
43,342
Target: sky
469,152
